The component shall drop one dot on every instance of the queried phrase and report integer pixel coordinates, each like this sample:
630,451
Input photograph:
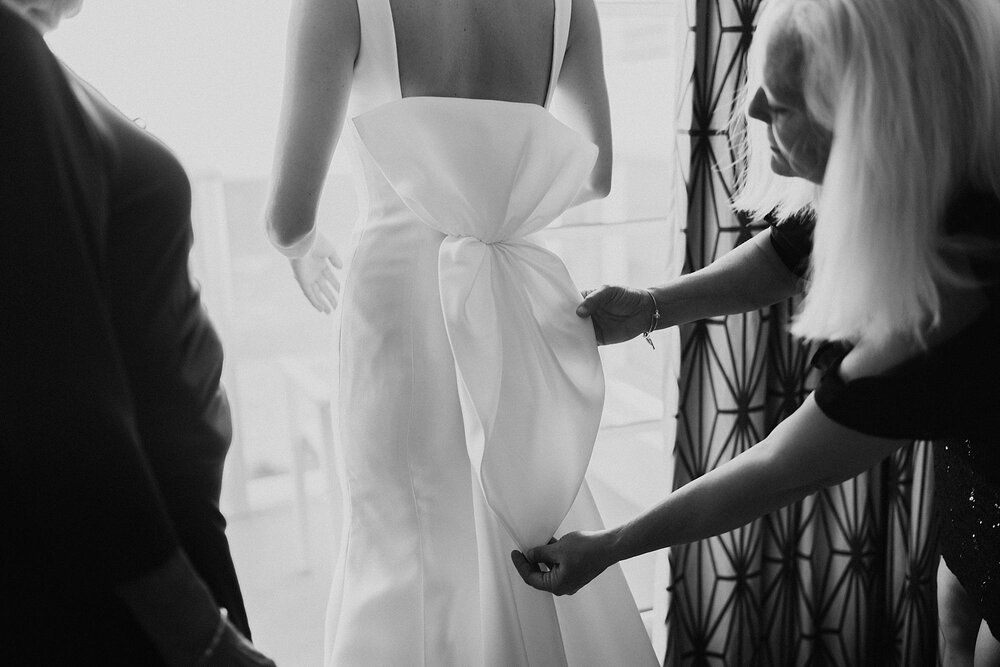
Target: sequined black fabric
968,495
950,394
792,241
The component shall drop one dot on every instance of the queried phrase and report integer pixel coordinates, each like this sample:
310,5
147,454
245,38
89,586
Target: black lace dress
950,394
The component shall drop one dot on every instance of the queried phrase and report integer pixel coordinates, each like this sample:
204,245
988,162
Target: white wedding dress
470,392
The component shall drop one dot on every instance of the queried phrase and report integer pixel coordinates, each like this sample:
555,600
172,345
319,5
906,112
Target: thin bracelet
298,249
216,638
653,322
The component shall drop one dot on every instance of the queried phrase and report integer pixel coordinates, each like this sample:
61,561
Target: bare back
478,49
481,49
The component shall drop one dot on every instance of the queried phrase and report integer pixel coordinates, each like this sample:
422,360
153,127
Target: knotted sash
486,174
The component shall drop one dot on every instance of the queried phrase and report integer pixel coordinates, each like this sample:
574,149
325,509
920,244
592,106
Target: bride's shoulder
339,17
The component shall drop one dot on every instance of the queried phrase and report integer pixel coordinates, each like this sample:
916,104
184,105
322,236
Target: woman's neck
42,21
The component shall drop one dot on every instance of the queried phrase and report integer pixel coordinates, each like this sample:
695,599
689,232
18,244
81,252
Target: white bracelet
298,249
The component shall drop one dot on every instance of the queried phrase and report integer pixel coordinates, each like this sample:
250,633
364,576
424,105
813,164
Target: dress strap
560,38
376,73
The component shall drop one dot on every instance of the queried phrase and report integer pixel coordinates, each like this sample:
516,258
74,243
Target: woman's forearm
723,499
582,84
323,45
803,454
749,277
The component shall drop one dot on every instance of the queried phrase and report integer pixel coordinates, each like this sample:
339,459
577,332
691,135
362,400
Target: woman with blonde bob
878,150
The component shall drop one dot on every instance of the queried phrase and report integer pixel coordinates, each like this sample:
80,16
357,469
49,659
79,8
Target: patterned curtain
845,577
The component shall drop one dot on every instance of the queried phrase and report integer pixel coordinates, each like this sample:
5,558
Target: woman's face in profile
46,14
800,146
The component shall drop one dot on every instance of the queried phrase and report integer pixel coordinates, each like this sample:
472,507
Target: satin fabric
486,174
469,391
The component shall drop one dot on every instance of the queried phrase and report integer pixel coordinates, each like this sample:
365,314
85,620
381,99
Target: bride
468,411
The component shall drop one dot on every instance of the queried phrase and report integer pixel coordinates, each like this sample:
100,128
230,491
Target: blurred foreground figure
114,427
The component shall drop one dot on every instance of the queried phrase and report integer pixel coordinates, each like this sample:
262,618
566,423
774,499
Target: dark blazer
113,425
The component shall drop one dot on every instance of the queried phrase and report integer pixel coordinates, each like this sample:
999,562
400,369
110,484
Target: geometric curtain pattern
845,577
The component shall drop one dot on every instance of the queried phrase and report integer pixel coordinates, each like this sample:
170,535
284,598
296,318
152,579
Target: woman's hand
315,274
618,313
573,561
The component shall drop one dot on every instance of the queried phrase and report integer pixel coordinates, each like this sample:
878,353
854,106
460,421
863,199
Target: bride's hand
315,273
618,313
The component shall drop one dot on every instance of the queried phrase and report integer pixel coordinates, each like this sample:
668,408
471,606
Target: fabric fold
530,378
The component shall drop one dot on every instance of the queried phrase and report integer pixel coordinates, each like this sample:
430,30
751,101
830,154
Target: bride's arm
323,41
581,82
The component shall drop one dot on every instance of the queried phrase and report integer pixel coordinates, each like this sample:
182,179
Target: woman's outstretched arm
749,277
323,42
806,452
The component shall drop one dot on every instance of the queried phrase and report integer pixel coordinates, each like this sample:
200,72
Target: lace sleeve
792,240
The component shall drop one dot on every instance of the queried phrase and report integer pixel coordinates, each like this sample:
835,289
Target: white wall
204,75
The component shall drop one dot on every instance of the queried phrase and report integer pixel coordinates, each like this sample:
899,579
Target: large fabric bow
486,174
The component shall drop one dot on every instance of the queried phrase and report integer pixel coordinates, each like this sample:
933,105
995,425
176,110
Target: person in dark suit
114,425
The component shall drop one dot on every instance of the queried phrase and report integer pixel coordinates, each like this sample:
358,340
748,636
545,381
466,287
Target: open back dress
470,393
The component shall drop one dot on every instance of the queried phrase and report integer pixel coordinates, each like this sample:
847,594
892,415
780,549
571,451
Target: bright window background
206,78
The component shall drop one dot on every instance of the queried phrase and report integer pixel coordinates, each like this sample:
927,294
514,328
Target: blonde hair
910,90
